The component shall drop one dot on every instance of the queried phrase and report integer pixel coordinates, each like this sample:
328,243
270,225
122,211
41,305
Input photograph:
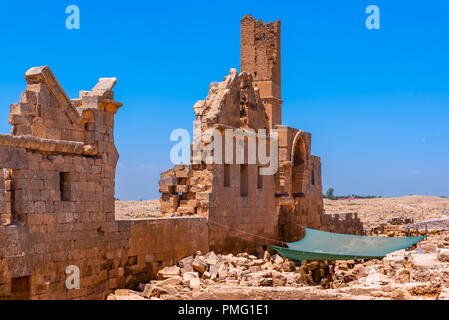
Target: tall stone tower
260,54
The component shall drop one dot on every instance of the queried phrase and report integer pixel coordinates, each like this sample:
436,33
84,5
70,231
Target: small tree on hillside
330,194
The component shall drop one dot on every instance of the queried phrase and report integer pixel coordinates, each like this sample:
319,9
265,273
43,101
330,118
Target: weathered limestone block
198,188
186,264
166,189
169,203
192,181
192,280
182,173
203,195
182,188
171,182
168,174
168,272
192,203
186,210
199,265
443,255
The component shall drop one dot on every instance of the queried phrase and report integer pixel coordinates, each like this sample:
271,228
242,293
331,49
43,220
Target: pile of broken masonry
416,274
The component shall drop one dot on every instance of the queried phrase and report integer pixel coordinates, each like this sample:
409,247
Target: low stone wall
116,255
157,243
348,223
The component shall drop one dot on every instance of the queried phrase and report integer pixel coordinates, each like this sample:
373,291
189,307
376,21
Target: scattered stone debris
401,275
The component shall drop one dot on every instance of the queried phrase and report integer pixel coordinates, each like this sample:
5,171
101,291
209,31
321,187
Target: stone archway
300,160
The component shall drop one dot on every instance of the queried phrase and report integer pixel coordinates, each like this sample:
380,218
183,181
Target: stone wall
57,200
348,223
246,210
236,199
260,55
117,255
152,244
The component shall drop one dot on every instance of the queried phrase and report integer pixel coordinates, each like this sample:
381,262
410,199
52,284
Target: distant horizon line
364,197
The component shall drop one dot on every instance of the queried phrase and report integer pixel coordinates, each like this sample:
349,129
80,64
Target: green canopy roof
321,245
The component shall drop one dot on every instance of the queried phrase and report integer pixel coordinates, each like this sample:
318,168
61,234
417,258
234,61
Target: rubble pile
195,273
421,274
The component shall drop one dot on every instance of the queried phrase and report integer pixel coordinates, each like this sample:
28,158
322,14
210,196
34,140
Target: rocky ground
420,273
137,209
371,211
374,211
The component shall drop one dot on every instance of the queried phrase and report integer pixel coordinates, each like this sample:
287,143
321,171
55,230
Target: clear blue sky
376,101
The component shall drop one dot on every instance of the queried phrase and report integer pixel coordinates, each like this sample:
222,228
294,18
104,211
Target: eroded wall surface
57,200
245,209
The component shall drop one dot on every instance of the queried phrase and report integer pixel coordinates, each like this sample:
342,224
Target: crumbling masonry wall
244,213
57,200
348,223
215,191
244,209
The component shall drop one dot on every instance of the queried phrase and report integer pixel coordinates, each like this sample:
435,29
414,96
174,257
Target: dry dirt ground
372,212
420,273
137,209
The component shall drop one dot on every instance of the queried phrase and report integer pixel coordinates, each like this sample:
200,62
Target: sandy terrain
375,211
371,211
137,209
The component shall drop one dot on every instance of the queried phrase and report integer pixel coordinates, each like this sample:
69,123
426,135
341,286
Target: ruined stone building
58,180
57,200
237,196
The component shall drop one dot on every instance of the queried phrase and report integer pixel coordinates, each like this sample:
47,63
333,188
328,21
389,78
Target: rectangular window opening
65,186
227,175
259,179
243,180
7,203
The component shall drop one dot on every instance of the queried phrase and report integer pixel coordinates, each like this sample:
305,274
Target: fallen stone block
403,275
168,272
206,275
213,270
359,271
121,292
223,271
186,264
151,291
199,265
211,258
443,255
401,294
173,281
444,295
266,256
191,280
277,259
